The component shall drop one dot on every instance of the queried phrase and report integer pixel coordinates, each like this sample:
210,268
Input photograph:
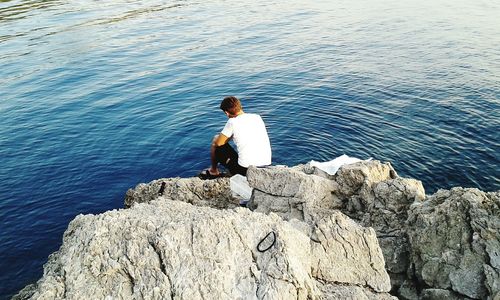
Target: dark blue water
97,96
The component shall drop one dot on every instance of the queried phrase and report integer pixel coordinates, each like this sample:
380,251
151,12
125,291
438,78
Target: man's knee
225,153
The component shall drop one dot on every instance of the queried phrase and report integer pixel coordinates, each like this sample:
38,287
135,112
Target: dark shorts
228,157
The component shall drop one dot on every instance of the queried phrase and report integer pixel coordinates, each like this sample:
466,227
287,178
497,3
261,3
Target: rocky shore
364,233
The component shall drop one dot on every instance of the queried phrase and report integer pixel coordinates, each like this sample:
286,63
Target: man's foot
213,172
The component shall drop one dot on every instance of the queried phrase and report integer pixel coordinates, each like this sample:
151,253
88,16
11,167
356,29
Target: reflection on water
133,14
99,96
23,9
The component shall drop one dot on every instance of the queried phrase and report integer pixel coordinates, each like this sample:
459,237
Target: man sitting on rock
249,134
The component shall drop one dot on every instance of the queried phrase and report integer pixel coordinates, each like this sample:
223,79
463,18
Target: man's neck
237,114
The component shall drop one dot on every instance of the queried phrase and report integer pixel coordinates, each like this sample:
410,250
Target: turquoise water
96,97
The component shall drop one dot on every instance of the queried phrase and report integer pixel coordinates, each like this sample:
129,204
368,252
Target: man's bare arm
220,140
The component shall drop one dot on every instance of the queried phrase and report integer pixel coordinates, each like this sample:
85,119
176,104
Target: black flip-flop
205,175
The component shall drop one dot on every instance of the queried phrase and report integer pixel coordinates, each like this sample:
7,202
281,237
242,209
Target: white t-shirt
250,136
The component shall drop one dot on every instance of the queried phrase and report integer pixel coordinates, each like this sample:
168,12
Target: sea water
98,96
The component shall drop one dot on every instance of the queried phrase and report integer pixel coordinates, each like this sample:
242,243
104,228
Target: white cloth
250,137
240,187
331,167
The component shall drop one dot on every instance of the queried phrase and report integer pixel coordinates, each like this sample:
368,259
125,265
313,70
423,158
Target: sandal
205,175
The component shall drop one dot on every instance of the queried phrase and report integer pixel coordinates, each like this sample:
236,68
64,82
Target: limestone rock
437,294
407,290
370,192
396,195
359,178
454,238
278,181
335,237
26,292
395,248
310,170
343,245
387,214
213,193
173,250
291,193
290,182
375,196
286,207
341,292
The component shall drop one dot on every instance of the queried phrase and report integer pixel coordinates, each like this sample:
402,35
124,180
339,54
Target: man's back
250,136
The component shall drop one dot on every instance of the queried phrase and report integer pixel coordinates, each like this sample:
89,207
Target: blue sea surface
98,96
